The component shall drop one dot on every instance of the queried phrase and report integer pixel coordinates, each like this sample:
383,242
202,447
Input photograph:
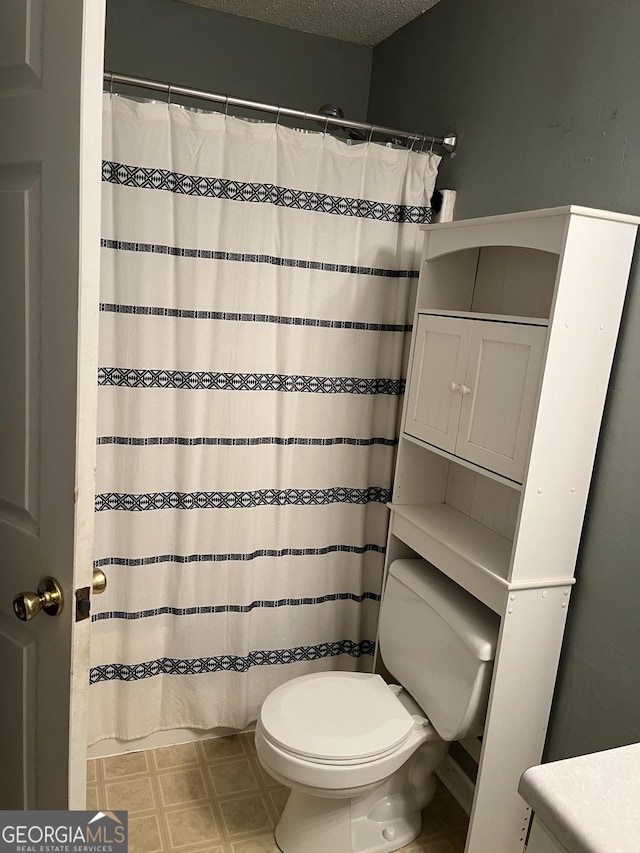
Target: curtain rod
447,142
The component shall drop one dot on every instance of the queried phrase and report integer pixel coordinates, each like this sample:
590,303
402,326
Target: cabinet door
499,396
437,372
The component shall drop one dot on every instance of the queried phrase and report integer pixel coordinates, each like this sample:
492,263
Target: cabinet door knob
464,390
453,387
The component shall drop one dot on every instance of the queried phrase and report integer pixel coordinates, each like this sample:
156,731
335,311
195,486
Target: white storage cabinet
473,388
515,326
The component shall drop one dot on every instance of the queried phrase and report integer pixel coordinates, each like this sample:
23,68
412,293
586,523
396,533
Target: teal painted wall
196,47
546,98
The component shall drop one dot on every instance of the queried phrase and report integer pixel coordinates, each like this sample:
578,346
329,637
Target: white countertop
590,803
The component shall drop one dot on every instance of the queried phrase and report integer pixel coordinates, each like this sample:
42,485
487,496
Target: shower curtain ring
326,125
111,84
169,95
413,142
226,106
370,133
431,149
278,115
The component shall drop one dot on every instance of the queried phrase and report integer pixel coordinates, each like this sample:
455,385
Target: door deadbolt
49,597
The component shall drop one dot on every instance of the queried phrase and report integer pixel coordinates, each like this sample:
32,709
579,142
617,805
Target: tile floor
213,797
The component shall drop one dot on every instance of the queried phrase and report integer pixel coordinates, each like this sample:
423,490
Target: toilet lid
336,716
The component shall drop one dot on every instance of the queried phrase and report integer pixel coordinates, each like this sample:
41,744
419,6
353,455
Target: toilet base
384,819
318,825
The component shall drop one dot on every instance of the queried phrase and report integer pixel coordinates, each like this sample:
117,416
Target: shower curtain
255,288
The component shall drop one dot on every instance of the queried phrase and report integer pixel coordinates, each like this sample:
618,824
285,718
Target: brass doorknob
98,582
27,605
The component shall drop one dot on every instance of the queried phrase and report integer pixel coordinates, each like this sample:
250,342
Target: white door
438,370
500,393
51,58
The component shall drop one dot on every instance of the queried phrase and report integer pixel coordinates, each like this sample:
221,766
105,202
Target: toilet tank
439,642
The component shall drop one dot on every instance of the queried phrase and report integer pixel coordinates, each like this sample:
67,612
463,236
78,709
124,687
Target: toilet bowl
358,754
359,757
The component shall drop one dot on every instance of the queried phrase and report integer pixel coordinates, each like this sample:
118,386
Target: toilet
360,755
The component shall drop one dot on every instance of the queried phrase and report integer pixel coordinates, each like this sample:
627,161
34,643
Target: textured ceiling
358,21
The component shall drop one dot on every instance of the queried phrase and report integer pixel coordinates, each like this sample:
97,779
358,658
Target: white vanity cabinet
473,386
515,326
585,804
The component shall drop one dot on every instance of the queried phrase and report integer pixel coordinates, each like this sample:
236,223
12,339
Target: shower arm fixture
336,112
332,118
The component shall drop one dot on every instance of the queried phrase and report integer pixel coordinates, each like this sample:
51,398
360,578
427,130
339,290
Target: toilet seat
336,761
336,718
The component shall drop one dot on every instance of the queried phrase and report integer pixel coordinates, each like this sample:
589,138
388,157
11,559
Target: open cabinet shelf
471,554
466,463
515,326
